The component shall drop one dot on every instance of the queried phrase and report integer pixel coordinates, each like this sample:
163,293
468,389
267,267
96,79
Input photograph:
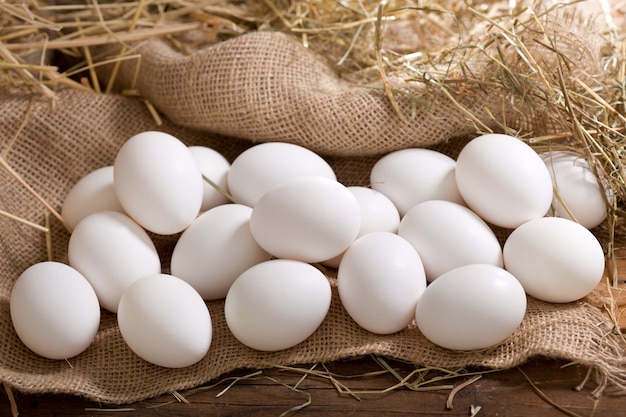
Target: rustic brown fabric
55,147
265,86
258,87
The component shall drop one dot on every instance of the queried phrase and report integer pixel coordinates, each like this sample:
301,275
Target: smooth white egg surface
277,304
503,180
111,250
158,182
310,219
54,310
411,176
215,249
380,279
448,235
262,166
378,214
165,321
471,307
578,193
215,167
556,259
92,193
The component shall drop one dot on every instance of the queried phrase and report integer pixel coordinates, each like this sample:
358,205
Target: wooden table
513,392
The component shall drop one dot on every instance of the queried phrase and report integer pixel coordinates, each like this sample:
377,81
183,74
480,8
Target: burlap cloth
257,87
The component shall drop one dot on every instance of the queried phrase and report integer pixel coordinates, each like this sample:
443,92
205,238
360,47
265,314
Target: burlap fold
266,86
51,148
277,90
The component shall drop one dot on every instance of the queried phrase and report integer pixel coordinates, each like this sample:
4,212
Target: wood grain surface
514,392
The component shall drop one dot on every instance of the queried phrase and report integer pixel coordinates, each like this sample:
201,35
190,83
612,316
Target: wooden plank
499,393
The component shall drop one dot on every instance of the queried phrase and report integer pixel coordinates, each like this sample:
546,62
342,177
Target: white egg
577,190
380,279
471,307
165,321
215,167
215,249
447,235
277,304
158,182
310,219
259,168
556,259
111,251
411,176
503,180
378,214
54,310
92,193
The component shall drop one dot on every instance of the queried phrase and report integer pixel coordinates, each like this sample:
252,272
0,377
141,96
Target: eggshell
411,176
215,167
448,235
259,168
556,259
503,180
578,191
471,307
54,310
92,193
380,279
277,304
158,182
378,214
215,249
111,251
310,219
165,321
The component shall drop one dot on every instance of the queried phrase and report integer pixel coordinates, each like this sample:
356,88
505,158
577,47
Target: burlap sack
51,148
265,86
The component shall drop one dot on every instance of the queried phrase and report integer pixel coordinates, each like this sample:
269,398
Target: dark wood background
541,387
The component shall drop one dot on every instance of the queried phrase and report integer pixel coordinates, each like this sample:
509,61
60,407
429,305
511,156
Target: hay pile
351,80
559,66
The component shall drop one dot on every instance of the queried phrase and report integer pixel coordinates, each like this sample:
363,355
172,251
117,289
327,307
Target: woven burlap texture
53,148
265,86
257,87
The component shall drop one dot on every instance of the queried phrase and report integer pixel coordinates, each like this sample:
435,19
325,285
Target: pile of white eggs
415,247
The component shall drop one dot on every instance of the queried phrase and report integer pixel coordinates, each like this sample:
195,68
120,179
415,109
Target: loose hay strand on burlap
8,215
4,165
220,190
